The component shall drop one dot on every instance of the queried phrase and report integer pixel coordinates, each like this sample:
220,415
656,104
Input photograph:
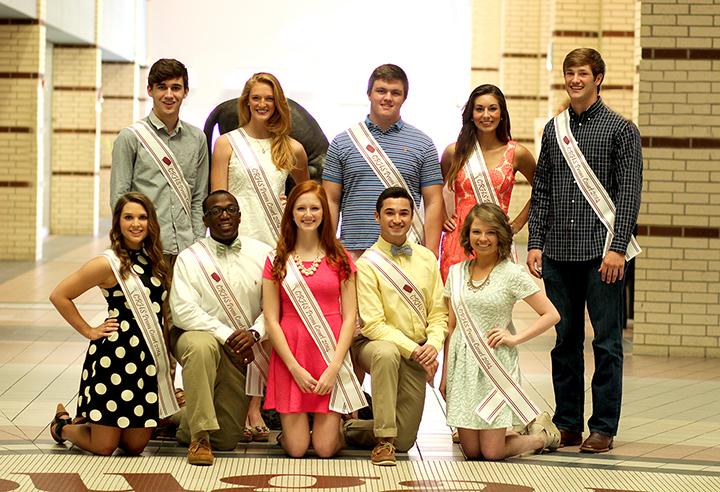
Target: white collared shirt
193,304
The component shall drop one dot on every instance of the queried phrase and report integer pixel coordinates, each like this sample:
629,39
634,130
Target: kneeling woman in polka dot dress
118,396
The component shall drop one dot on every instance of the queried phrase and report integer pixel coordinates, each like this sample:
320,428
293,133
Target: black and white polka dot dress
119,387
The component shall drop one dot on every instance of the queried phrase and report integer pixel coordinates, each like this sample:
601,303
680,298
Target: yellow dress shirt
384,313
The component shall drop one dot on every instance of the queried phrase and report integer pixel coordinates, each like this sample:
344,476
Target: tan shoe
200,453
383,454
544,423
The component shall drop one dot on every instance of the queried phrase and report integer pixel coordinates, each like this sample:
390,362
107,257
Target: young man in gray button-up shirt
133,169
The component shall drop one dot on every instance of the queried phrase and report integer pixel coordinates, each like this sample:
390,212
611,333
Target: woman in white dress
264,144
265,123
488,286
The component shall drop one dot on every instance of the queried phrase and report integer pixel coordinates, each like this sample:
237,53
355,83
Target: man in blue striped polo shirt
353,187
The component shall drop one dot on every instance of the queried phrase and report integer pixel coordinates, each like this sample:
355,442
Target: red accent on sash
566,140
215,277
370,148
407,288
166,160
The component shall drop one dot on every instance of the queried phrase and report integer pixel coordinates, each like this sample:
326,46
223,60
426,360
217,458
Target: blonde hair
279,124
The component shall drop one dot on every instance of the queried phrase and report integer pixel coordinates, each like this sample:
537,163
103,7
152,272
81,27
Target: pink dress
282,392
503,180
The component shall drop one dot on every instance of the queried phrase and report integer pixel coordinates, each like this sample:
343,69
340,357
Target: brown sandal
62,418
260,433
247,435
180,397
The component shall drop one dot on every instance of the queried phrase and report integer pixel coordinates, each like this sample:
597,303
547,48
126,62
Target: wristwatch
255,335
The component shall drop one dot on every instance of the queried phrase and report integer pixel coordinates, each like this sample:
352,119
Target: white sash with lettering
166,162
257,371
386,171
141,306
507,391
347,394
589,184
477,172
394,275
261,184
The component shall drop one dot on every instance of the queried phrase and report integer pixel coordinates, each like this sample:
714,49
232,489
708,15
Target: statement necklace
484,283
307,271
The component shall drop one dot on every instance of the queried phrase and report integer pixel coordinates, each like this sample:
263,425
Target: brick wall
485,49
119,109
75,140
678,275
22,65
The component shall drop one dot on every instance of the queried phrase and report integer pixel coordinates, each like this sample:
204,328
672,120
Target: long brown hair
468,133
335,253
279,124
151,243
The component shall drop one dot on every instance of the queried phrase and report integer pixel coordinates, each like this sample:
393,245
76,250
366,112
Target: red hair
335,253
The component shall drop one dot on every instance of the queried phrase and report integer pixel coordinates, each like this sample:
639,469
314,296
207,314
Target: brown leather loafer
570,438
597,443
200,453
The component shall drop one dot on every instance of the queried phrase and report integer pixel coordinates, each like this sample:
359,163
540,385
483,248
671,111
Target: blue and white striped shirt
412,152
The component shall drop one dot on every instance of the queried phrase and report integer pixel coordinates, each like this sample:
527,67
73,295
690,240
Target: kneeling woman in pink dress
310,305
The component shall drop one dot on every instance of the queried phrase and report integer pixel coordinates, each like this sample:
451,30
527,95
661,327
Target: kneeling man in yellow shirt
404,324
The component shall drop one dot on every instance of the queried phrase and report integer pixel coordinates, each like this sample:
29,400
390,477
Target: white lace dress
489,307
253,222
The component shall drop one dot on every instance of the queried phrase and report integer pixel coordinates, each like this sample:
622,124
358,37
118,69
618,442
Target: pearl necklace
308,272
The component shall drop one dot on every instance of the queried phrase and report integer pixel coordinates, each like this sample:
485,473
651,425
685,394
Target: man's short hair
394,192
586,56
166,69
388,73
216,193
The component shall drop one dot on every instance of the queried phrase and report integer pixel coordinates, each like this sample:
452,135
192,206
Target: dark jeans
569,285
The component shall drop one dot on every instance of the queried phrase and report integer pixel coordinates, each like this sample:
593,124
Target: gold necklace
307,271
486,281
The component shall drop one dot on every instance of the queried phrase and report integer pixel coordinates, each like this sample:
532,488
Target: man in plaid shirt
566,249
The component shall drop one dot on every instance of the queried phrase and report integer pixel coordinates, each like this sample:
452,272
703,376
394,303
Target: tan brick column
119,109
76,135
75,142
607,26
523,79
485,49
22,67
678,286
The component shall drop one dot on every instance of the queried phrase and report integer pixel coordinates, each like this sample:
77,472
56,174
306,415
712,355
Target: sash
386,171
257,371
408,291
477,172
165,161
269,202
589,184
141,306
506,390
347,394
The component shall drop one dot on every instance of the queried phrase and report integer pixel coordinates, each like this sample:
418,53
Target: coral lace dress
503,180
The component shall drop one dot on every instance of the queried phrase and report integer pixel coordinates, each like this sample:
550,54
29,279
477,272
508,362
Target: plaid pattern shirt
562,223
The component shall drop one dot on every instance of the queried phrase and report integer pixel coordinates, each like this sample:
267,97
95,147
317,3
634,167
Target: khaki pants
398,395
214,390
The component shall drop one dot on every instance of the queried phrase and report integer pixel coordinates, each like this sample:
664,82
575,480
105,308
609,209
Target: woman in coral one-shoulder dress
486,121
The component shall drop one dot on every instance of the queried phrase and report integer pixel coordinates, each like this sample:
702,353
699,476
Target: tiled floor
669,437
